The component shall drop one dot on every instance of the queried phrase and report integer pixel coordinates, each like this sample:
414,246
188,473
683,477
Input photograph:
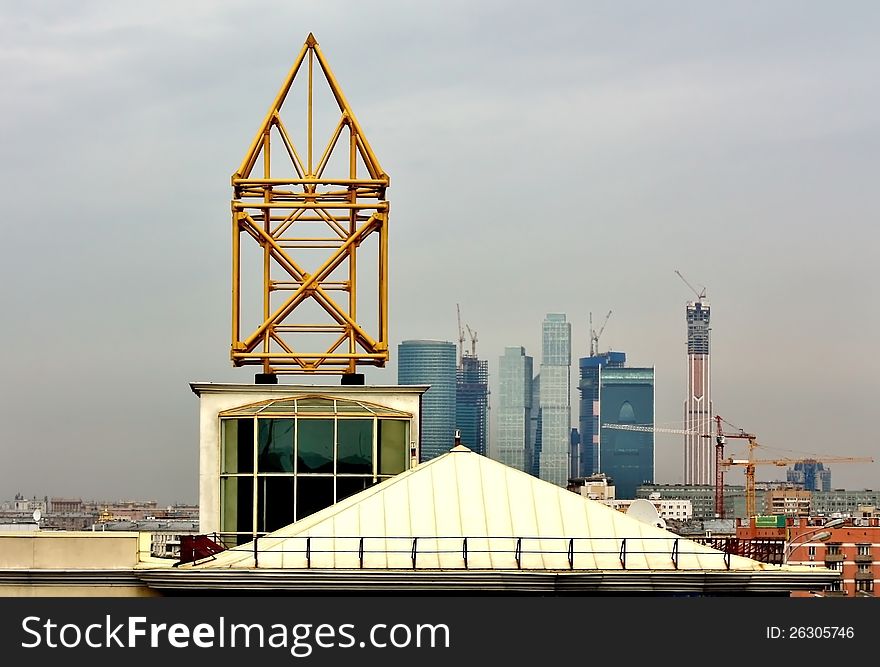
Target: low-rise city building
702,498
849,545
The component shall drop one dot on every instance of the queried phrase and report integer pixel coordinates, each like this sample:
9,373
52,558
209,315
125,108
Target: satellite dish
37,515
644,511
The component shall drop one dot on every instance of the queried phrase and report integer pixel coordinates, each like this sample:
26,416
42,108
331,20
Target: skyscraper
514,409
533,456
472,402
591,368
555,401
698,451
431,362
810,474
626,396
611,393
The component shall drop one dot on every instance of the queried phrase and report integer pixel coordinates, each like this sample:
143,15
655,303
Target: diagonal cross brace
309,284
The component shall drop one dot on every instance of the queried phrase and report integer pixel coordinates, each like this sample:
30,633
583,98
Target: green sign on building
772,521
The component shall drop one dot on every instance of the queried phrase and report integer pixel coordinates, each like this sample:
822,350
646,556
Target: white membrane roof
462,510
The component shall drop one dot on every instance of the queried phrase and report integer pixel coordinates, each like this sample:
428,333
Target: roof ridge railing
470,546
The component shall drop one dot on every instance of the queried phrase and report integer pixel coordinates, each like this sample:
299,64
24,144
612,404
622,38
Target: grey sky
544,157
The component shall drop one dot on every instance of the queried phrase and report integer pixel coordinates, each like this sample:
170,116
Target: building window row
865,585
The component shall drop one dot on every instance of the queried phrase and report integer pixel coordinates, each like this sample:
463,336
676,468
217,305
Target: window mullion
256,489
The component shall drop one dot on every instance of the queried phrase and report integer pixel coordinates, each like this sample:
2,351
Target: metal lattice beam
273,203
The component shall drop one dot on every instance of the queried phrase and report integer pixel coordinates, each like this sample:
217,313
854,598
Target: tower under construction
472,402
698,450
471,393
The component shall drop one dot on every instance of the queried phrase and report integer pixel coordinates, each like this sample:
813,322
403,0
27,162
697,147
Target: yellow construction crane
751,462
748,463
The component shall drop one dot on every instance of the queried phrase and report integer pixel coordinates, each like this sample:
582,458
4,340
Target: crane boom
700,295
642,428
819,459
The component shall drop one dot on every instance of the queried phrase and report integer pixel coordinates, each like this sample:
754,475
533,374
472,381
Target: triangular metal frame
269,207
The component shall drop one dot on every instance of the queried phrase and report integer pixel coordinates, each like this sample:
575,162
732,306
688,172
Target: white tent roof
463,510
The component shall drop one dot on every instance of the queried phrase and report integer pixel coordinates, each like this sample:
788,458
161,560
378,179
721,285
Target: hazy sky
544,157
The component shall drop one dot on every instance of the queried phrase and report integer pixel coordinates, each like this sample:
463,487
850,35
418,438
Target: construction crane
720,436
473,336
719,450
594,336
751,462
700,295
460,337
722,464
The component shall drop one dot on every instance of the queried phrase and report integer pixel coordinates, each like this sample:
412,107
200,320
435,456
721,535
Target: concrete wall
72,563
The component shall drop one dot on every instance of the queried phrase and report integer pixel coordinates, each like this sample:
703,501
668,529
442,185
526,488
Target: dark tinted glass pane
236,504
238,445
393,446
354,446
315,445
274,503
275,443
312,494
348,486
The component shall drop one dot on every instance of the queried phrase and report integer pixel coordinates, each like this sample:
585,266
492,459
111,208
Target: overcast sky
544,157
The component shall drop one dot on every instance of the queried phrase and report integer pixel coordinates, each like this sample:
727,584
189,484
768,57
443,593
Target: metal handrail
414,546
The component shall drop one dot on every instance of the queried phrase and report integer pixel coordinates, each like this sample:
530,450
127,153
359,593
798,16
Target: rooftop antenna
594,335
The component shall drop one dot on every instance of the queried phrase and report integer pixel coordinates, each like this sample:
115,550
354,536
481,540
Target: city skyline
736,143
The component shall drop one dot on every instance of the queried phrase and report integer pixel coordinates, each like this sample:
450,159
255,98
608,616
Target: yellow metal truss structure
294,201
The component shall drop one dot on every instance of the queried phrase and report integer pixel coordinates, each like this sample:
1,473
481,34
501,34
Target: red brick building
853,547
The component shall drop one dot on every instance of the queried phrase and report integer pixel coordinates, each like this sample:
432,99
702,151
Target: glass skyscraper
533,455
591,368
472,402
431,362
514,409
611,393
555,399
626,396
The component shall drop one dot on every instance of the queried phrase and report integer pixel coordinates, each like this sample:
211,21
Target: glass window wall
283,460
